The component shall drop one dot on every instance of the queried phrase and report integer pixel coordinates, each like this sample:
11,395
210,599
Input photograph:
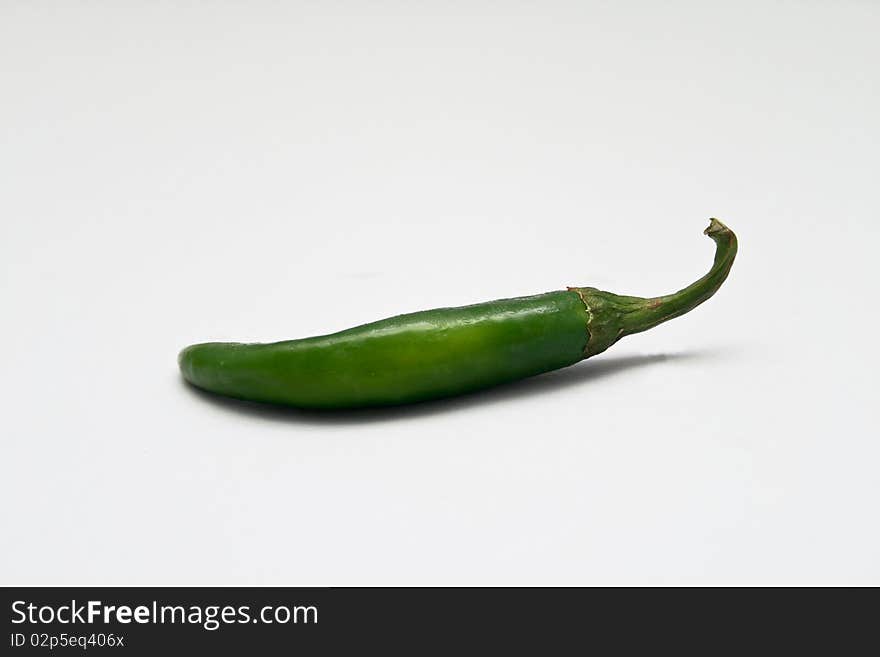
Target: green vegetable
443,352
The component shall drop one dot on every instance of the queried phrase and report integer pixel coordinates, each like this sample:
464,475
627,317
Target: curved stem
613,316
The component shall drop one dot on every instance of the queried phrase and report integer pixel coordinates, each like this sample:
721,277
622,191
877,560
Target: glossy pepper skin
443,352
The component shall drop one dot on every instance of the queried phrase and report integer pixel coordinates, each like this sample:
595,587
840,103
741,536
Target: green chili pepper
443,352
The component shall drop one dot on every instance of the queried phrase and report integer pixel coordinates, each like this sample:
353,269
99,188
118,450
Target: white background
180,172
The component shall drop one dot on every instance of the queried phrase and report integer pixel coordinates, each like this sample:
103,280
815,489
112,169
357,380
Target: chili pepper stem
612,316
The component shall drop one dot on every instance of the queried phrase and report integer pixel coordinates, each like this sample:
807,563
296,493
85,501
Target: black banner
135,621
